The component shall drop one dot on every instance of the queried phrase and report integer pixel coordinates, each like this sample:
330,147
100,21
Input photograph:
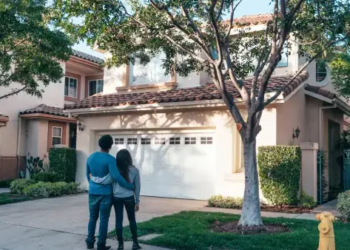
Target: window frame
95,80
77,86
60,137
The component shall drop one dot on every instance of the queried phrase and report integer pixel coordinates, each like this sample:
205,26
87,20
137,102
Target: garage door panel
172,165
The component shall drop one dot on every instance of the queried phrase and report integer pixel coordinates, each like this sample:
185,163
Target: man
100,164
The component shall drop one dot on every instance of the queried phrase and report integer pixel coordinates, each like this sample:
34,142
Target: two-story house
35,125
181,135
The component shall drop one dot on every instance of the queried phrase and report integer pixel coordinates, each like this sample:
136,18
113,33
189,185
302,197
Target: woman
124,197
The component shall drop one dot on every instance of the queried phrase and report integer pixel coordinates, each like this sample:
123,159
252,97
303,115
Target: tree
30,51
340,66
187,31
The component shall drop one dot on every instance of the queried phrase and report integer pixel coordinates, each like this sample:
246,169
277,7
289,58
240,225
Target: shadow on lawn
192,231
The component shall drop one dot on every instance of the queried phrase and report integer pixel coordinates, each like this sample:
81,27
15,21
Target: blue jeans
99,205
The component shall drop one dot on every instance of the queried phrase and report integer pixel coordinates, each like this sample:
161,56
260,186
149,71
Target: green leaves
30,50
279,172
340,70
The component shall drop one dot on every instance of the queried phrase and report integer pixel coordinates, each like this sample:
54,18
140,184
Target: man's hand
90,175
137,207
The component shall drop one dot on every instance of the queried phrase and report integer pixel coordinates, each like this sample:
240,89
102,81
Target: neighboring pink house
181,135
35,125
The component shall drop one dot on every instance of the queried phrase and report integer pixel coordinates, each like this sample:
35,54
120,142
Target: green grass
191,231
7,198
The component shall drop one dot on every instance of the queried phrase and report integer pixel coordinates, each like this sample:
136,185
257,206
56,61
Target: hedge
45,177
5,183
225,202
48,189
63,162
343,205
279,172
17,186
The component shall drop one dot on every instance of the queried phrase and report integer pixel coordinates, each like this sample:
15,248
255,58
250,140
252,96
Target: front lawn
191,231
7,198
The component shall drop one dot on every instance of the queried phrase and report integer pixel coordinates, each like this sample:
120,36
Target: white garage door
172,165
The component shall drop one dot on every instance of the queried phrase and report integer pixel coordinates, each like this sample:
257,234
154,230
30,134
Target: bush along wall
279,172
63,162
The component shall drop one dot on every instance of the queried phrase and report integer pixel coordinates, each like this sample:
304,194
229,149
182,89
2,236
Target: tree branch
14,92
232,13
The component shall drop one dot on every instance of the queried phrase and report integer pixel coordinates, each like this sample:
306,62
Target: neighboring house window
56,135
71,86
284,59
151,73
321,71
95,87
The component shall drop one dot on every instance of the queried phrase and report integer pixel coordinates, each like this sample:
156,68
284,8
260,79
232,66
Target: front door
72,135
334,154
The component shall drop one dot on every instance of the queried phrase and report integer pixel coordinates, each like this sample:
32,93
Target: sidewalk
327,207
4,190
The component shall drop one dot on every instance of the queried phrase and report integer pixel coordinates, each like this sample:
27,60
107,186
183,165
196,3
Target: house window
206,140
284,59
159,141
95,87
56,135
119,141
190,140
132,141
321,71
71,86
151,73
174,140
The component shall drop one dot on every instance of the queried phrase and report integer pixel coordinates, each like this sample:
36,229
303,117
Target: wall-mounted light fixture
80,126
296,133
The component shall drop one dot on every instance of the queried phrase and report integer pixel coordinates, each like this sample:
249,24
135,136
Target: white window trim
52,136
96,80
76,91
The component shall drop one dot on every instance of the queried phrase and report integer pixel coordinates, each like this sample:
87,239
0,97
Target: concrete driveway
61,223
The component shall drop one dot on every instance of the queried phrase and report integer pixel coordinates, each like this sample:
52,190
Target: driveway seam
53,230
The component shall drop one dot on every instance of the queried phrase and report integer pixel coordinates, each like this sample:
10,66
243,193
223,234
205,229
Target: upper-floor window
321,71
70,87
284,59
95,86
151,73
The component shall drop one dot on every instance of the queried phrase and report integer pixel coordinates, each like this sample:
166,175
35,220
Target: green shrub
48,189
225,202
5,183
45,177
343,205
34,164
63,162
279,171
17,186
307,201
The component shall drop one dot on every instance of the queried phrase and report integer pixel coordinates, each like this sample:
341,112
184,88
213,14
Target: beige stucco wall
36,133
229,182
291,115
53,96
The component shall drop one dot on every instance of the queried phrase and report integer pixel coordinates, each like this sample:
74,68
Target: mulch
285,209
233,227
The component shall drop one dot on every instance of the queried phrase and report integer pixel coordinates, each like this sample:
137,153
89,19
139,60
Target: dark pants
99,206
129,204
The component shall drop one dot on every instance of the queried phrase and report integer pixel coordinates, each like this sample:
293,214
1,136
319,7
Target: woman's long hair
124,161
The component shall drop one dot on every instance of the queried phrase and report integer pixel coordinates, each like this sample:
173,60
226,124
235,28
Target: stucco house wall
290,116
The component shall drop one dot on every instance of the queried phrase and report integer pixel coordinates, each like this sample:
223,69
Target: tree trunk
251,215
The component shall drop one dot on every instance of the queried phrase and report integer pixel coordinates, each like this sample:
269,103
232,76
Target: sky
247,7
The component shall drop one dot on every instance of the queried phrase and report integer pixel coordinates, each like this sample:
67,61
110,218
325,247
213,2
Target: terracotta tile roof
206,92
250,20
88,57
44,109
320,91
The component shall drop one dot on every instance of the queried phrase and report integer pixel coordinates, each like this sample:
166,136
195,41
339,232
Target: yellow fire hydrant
327,241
